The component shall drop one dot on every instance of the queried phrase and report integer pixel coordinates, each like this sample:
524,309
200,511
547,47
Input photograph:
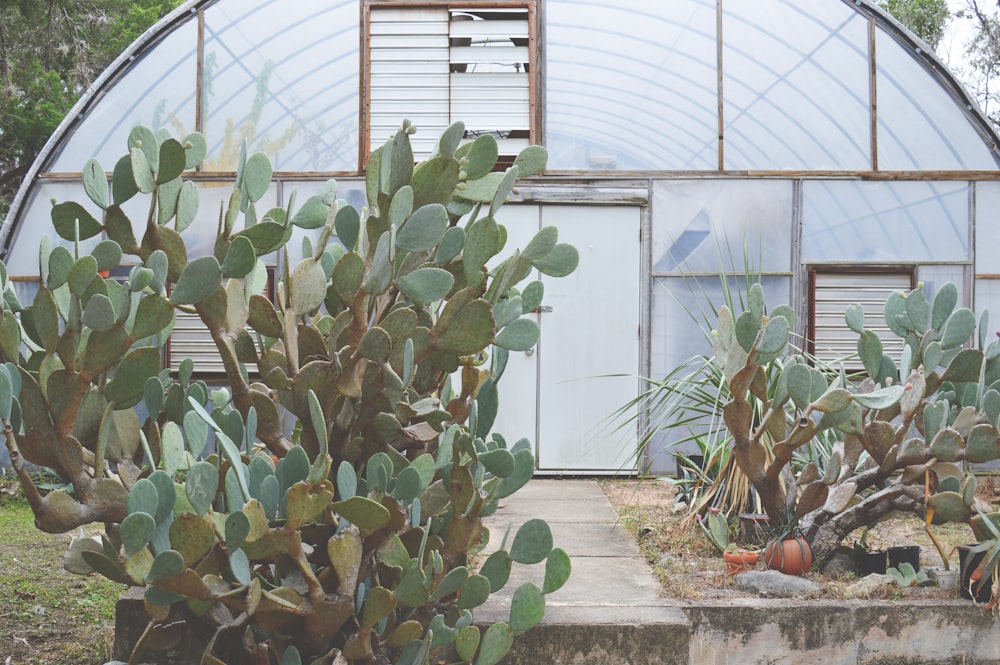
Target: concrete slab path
608,611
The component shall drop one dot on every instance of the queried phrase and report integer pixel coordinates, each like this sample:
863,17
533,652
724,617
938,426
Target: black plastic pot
870,563
755,529
967,563
905,554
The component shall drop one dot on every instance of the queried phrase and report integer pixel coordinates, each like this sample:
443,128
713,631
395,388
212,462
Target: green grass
48,615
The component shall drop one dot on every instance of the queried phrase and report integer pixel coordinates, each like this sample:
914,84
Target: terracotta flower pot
740,561
790,555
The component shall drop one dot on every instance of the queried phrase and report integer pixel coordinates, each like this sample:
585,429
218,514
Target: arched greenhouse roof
770,88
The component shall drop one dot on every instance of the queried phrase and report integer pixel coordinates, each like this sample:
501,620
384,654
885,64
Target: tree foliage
983,53
50,52
926,18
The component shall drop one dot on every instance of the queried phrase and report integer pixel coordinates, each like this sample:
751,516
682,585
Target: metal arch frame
878,17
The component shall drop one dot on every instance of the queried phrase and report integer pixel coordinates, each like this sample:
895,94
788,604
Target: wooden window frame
534,60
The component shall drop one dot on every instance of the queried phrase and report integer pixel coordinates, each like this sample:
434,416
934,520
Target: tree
983,56
50,52
928,19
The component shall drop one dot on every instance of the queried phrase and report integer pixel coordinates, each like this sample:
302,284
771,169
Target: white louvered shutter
833,292
190,339
409,75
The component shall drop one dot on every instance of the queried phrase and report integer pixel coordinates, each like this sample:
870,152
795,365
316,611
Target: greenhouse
818,145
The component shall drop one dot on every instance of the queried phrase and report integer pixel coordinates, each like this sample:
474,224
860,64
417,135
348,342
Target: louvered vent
833,292
190,339
437,65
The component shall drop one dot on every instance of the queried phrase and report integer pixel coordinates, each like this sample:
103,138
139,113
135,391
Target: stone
868,585
775,584
841,563
946,579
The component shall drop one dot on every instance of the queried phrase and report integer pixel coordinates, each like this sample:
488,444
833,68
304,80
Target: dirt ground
689,568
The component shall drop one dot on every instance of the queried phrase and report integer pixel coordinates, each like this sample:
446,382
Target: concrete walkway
608,612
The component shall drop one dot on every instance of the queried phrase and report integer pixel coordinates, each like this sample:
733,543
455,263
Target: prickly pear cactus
901,432
348,534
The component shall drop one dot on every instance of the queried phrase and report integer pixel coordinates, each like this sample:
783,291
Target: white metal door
587,361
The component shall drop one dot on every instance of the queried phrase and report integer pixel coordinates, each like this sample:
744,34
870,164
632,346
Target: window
831,290
437,65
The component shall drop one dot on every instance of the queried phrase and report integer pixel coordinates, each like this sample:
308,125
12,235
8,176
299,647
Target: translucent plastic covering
158,91
795,88
988,300
284,76
682,319
988,230
891,222
920,126
718,226
629,85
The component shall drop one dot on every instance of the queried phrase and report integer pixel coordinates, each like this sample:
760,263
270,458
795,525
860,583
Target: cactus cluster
323,504
902,430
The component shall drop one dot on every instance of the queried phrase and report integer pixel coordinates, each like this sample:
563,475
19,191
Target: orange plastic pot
790,555
740,561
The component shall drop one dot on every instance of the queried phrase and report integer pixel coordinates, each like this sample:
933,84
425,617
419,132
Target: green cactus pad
960,326
304,502
347,224
192,536
944,304
426,285
143,497
531,160
524,469
412,588
201,485
379,603
532,543
166,495
70,217
434,181
197,282
312,215
496,642
526,608
166,565
520,335
964,367
773,339
129,382
882,398
172,161
136,530
482,242
380,275
364,513
240,258
468,331
948,507
983,444
237,529
947,445
451,245
481,154
557,570
257,176
854,315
